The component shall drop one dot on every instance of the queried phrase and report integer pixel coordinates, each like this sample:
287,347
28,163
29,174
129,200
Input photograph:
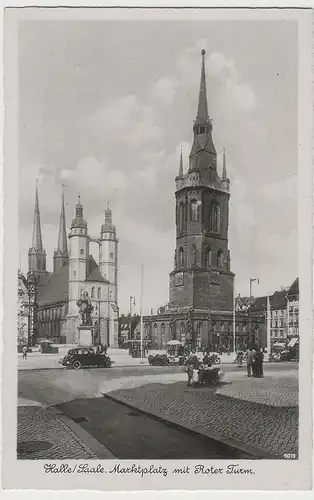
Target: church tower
78,259
108,261
202,279
61,255
36,253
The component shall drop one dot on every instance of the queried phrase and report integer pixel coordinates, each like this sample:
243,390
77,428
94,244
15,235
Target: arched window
182,332
99,293
155,333
208,258
220,258
181,257
193,255
194,215
214,218
181,217
199,334
92,293
162,335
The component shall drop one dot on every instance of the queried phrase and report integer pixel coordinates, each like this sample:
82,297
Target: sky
104,108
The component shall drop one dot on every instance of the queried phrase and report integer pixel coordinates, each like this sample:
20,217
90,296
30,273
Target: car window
85,351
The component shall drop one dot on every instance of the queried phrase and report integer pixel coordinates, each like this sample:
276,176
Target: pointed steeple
202,112
224,168
224,178
36,253
62,239
181,165
61,255
79,220
37,242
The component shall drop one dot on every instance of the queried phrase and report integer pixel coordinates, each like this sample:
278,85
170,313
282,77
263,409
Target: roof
294,289
277,301
56,289
94,273
124,322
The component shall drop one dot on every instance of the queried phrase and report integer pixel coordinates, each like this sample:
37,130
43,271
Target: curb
82,435
253,451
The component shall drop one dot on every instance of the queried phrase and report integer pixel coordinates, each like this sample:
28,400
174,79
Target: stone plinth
85,335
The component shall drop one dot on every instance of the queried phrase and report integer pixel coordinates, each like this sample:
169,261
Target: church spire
202,112
224,168
62,239
181,165
61,255
37,242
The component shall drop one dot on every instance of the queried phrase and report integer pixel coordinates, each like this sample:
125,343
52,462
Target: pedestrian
195,379
24,350
190,373
259,358
105,350
249,361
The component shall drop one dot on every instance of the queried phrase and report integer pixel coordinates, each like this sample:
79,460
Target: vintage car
47,347
85,356
289,355
158,360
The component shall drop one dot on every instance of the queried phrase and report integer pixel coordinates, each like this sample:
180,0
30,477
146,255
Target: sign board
85,336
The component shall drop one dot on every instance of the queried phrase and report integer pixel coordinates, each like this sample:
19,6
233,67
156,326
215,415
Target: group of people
254,361
101,349
196,368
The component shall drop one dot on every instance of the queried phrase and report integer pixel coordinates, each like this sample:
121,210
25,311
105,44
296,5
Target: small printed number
289,455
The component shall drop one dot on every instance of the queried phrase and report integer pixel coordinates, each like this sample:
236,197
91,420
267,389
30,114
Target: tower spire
37,242
62,239
224,168
202,111
181,165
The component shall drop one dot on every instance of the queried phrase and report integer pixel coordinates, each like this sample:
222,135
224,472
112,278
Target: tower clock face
179,279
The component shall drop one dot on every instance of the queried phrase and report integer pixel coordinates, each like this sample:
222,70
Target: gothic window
202,130
194,215
181,218
214,218
99,293
208,258
74,273
199,334
162,335
193,255
182,332
181,257
155,332
220,258
92,293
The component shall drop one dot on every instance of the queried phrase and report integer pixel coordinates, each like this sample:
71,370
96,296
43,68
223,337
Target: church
75,272
200,308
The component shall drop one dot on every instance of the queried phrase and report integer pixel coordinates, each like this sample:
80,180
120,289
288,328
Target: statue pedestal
85,335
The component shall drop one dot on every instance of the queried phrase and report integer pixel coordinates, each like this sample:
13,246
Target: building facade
74,272
200,308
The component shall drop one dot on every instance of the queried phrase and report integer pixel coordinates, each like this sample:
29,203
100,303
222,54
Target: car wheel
76,365
217,361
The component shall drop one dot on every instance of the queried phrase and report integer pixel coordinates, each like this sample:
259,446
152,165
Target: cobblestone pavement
273,429
43,436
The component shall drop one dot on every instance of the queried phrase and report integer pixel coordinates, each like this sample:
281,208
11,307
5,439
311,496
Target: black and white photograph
160,264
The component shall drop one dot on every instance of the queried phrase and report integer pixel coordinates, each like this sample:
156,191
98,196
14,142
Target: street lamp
132,302
252,280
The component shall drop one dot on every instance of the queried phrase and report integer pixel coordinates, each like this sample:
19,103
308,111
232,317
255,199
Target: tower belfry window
194,216
214,218
181,257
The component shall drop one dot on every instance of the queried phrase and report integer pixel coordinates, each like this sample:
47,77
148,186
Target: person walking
259,358
249,361
190,373
24,350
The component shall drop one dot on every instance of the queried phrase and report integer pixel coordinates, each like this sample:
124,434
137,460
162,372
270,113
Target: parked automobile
214,358
158,360
47,347
288,355
85,356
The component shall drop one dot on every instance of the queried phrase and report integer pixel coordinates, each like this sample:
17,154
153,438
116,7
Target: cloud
164,91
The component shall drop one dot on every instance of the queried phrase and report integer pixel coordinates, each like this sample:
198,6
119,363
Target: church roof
294,289
94,273
56,289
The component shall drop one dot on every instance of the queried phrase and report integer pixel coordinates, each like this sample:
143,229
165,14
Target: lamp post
252,280
132,301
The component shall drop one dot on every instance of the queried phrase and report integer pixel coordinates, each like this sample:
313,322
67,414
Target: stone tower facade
79,250
36,253
108,261
202,279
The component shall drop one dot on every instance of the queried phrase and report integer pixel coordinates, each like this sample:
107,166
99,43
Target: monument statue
85,308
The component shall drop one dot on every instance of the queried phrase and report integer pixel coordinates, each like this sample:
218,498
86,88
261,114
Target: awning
293,342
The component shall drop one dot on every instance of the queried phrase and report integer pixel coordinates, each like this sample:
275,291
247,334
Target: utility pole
142,293
252,280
